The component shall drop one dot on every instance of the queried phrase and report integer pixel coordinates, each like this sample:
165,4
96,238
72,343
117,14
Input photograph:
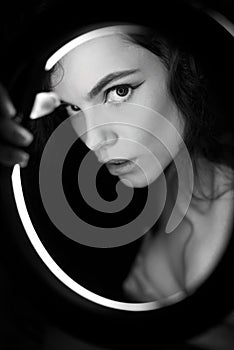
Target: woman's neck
194,191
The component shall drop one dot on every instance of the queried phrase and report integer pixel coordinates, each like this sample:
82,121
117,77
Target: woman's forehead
106,50
90,62
126,29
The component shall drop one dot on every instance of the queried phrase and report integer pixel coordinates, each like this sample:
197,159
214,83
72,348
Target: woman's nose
98,137
94,131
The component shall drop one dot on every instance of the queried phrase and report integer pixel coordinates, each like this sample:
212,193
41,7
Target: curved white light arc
222,20
53,266
97,33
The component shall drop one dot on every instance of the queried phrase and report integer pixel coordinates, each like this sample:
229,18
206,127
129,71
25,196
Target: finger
9,156
13,133
7,108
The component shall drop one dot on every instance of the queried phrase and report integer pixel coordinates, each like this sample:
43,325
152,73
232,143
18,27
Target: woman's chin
135,183
140,180
127,182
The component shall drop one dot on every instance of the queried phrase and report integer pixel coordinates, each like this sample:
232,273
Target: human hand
13,137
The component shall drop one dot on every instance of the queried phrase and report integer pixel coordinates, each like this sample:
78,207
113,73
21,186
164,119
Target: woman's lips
120,166
117,160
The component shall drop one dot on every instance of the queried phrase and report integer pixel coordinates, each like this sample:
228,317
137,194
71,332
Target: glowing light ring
97,33
58,272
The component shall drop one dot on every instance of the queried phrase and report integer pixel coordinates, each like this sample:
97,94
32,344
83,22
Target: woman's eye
122,91
71,109
75,108
119,93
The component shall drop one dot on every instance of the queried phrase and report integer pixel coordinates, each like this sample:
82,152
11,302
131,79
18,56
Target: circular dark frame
32,280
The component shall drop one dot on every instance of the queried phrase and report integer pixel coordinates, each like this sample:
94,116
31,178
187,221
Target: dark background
24,327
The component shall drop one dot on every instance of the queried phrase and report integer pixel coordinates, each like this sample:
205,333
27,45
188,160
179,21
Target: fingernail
6,105
24,160
24,137
10,108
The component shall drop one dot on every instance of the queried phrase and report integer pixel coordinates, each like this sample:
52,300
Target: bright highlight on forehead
97,33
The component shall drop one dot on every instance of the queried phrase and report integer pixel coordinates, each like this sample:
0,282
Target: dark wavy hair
189,87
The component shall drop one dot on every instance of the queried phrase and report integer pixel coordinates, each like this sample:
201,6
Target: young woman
134,79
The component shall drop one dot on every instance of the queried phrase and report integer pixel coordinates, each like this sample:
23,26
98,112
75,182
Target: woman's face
120,88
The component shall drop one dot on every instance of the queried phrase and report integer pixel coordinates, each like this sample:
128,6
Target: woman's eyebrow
108,79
